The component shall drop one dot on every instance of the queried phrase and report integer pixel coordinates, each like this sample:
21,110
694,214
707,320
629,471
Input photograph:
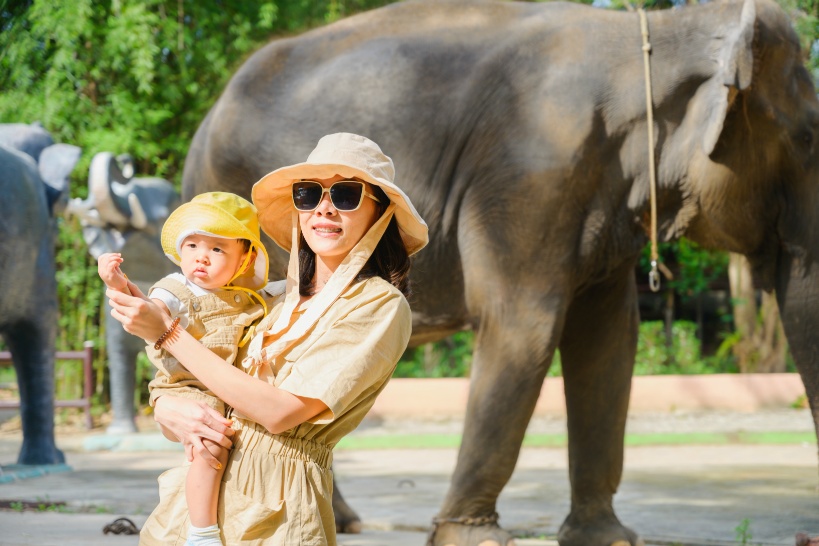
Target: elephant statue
54,162
125,214
527,138
30,139
32,187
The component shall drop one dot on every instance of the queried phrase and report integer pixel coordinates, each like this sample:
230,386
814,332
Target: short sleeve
355,356
175,306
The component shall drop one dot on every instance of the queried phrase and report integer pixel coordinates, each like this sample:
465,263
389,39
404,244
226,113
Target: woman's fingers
205,454
216,428
135,291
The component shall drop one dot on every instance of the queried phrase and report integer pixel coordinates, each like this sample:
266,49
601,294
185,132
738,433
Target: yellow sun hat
218,214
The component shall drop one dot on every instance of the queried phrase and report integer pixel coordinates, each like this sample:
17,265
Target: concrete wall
659,393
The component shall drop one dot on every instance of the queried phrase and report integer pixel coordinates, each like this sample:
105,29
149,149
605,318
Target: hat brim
272,196
197,217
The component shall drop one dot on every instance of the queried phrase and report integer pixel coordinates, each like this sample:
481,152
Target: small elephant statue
33,181
125,214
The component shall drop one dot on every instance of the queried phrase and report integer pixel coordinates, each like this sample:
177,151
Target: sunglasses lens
307,195
346,195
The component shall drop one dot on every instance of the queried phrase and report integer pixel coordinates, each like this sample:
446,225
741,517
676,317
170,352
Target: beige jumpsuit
277,488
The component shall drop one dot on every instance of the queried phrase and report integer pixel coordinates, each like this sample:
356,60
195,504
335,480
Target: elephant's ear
56,163
736,67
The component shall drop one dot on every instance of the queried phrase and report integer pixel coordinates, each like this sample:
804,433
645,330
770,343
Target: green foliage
136,76
655,356
451,357
694,268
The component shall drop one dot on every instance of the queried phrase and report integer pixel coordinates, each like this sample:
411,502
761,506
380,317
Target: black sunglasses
345,195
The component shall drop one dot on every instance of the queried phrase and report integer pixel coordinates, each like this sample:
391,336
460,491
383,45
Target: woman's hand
191,422
139,315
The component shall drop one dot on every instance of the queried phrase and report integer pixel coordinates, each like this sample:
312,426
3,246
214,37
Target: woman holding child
316,362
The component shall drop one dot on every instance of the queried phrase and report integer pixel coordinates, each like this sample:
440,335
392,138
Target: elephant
527,137
28,302
125,214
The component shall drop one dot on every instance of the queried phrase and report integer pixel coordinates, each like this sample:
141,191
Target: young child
214,239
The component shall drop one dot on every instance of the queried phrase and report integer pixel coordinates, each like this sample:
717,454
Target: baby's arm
110,273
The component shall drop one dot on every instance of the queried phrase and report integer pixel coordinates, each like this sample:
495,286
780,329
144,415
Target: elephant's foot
40,452
349,525
121,426
465,531
606,531
347,521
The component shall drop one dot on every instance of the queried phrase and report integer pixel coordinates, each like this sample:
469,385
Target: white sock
204,536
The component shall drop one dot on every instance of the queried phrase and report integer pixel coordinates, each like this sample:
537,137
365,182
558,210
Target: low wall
446,398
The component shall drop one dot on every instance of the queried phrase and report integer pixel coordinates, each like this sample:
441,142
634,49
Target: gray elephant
125,214
520,131
28,300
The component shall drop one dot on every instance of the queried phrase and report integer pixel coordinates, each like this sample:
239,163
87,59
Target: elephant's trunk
797,291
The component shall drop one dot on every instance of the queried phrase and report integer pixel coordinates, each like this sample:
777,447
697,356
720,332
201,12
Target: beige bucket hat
348,155
218,214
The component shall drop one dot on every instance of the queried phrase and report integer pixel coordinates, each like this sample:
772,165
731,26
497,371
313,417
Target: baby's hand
111,274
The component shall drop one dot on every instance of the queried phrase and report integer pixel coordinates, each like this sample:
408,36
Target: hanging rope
653,275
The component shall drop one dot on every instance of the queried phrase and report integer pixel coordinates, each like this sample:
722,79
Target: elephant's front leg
597,354
512,355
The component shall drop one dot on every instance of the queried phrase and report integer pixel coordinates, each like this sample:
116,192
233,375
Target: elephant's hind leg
597,353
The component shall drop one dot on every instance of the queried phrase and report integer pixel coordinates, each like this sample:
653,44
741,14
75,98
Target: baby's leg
202,493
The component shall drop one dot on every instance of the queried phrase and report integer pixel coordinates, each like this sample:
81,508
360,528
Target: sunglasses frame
328,190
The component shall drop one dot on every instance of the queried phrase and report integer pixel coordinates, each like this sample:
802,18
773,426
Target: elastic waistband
253,437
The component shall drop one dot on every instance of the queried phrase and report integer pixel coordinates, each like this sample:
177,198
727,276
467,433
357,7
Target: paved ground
673,494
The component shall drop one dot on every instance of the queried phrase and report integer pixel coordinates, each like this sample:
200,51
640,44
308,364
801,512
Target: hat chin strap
338,282
252,293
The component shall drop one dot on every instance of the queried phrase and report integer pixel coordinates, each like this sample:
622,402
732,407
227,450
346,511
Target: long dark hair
389,260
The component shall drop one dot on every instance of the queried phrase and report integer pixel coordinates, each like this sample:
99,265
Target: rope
491,519
653,276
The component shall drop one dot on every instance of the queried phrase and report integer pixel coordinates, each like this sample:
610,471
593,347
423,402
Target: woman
324,352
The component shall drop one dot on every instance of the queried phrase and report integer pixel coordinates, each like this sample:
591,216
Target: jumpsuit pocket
244,518
169,521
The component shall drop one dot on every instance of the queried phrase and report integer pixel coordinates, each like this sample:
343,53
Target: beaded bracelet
167,334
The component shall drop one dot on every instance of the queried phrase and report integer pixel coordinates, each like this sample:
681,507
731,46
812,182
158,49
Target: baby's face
210,262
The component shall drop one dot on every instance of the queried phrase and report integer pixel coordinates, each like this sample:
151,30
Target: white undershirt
174,304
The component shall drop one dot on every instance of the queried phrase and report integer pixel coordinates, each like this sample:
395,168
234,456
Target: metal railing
87,358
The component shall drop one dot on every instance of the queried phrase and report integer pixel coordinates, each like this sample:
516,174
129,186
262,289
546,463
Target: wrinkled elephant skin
519,131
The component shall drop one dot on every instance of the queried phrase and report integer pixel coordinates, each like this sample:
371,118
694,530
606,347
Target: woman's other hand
192,422
137,314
